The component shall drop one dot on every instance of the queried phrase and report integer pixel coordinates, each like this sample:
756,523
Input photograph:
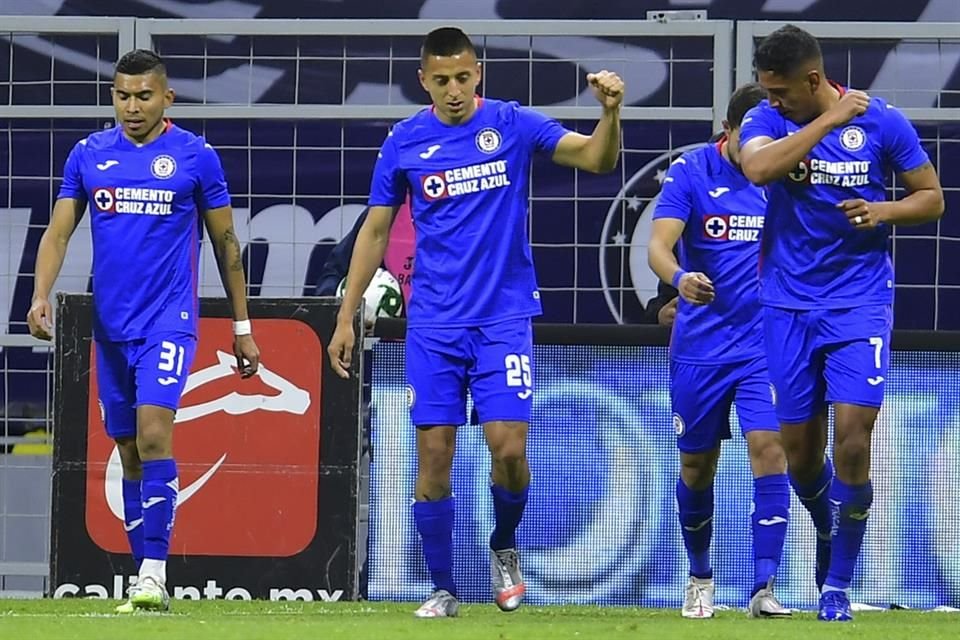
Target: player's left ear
813,80
168,97
479,73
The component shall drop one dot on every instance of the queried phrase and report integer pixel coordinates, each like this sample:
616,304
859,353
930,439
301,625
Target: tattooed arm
219,224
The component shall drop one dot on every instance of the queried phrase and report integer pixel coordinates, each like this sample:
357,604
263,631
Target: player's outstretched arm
226,248
598,152
765,160
694,287
67,213
368,252
923,203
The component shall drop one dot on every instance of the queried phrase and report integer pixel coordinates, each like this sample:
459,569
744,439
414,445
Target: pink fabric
400,250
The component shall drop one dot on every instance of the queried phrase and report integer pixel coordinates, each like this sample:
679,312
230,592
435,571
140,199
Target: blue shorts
702,394
495,362
827,355
150,371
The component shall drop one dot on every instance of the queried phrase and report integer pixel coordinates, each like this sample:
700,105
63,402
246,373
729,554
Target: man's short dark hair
139,62
743,99
785,50
445,41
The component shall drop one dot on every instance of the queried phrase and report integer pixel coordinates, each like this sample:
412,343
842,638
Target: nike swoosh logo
719,191
103,166
769,522
133,525
875,381
197,484
152,501
523,395
432,149
859,516
167,381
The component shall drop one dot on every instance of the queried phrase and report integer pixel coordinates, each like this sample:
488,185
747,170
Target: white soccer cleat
698,598
506,579
764,604
150,595
440,604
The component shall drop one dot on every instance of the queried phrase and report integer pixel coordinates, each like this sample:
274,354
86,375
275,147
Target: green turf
219,620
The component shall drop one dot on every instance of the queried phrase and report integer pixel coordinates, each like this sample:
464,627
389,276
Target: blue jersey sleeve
212,190
675,199
544,133
761,121
72,185
901,144
388,188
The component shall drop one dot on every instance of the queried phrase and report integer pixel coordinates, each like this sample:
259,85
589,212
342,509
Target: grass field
219,620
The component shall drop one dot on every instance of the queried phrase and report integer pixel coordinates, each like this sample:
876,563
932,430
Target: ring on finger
858,220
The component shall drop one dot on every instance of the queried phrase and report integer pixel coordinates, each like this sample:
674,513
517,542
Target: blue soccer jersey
723,213
144,207
469,186
812,256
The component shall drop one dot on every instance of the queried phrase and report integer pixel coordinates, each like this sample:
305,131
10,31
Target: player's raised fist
852,104
607,87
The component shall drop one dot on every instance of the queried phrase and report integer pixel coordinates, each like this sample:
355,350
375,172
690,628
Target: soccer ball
382,299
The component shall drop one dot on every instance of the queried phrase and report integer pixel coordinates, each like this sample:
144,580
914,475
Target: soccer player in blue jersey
466,161
149,185
823,152
716,353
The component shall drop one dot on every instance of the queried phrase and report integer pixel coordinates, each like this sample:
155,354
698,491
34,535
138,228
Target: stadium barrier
269,467
600,525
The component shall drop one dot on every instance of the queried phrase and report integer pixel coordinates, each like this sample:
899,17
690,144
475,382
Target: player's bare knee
130,458
697,470
155,440
154,432
509,452
767,456
507,441
852,450
804,457
804,467
433,470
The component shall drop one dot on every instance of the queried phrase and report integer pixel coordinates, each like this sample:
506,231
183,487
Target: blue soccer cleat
835,607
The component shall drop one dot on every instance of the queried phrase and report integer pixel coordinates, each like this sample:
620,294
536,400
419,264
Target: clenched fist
607,87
